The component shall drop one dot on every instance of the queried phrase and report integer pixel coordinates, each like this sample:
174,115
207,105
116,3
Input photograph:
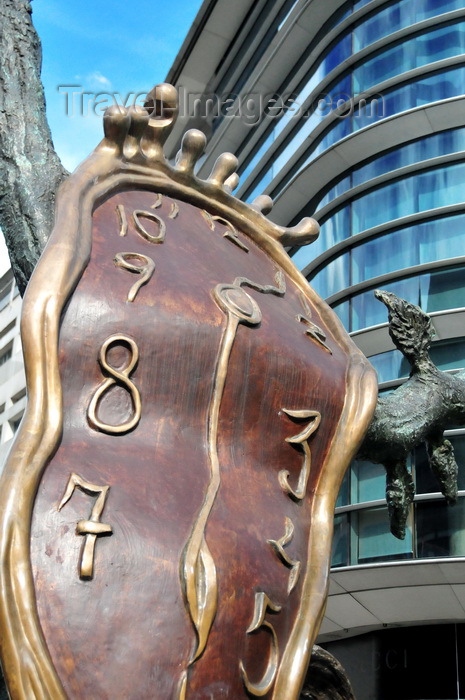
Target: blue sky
104,46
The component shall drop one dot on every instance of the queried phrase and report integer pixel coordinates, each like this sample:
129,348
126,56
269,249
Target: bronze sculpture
193,405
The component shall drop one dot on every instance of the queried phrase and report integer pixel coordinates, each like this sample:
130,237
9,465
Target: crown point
263,203
162,106
305,232
225,166
138,112
192,146
162,103
116,122
232,182
139,120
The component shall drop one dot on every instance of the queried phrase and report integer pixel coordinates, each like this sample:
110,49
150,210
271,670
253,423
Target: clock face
201,392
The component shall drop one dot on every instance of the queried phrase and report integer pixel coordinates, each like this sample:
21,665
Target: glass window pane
342,310
343,497
384,204
384,254
375,540
420,192
368,482
440,529
416,51
425,481
368,311
442,290
427,89
432,240
440,187
334,277
440,239
336,228
245,172
413,245
340,555
430,8
385,65
432,292
450,141
303,256
458,444
398,15
390,365
449,354
339,188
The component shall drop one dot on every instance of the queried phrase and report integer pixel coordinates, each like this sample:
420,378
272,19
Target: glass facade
315,101
390,217
446,355
397,220
361,527
370,140
426,242
433,291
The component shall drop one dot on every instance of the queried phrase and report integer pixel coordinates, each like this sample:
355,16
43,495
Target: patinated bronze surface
193,408
420,410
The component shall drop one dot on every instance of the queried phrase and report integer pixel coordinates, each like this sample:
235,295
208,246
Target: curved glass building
354,113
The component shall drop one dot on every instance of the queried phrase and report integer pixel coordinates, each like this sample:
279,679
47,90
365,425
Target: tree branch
419,411
30,170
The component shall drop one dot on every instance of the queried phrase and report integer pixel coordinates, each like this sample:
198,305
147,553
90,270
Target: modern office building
354,113
12,378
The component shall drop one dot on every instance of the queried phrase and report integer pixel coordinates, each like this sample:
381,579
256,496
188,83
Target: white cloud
97,81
